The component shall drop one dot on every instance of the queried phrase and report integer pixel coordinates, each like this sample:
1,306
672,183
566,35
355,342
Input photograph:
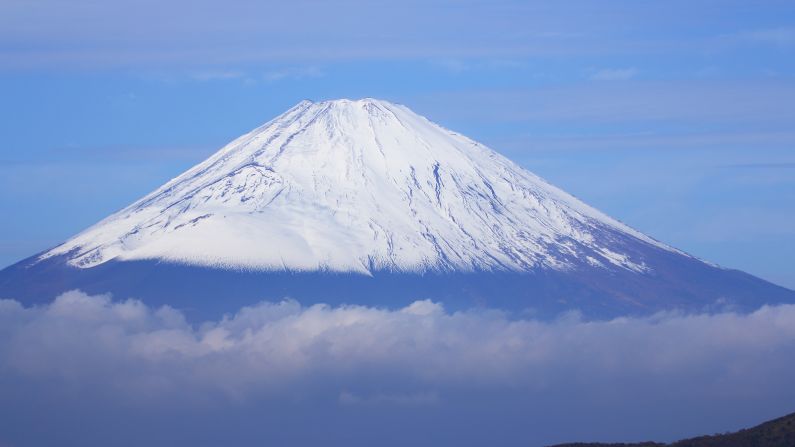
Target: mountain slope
357,186
367,202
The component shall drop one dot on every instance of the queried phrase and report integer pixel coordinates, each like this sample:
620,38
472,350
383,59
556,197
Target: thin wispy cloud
292,73
782,36
614,74
699,103
88,35
763,165
451,65
655,141
217,75
458,66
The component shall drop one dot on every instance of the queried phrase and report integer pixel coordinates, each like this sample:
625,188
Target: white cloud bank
279,371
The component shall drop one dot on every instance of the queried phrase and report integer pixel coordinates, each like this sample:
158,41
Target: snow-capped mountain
357,186
366,201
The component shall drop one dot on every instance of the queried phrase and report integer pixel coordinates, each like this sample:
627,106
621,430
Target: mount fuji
366,202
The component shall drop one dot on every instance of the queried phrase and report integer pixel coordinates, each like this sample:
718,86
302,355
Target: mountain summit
368,188
358,186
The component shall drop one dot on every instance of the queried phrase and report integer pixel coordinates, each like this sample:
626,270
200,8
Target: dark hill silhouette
776,433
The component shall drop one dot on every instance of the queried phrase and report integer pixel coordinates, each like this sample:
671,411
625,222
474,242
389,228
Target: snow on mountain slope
358,186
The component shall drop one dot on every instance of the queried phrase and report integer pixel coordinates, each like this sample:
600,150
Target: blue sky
675,117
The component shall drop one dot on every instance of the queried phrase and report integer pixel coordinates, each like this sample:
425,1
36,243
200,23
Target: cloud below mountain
274,370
